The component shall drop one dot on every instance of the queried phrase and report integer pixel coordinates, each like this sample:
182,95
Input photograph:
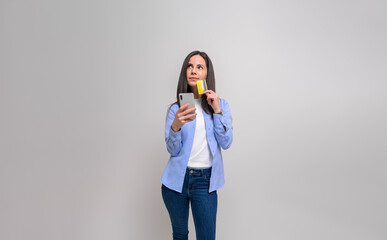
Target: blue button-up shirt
179,145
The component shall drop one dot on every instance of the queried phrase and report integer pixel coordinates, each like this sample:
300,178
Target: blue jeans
204,205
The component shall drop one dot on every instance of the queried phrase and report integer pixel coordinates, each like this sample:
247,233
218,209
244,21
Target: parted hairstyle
183,87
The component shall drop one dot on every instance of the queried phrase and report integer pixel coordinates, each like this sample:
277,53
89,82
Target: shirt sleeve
172,138
223,125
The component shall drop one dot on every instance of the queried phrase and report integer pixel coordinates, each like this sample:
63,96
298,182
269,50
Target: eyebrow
199,64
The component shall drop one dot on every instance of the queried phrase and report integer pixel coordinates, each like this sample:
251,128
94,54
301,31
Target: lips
193,78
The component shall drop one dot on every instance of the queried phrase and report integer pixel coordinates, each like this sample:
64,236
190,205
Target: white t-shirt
200,154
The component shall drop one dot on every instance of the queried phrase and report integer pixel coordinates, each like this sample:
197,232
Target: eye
200,67
189,66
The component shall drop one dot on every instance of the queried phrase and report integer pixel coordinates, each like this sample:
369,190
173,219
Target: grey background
84,90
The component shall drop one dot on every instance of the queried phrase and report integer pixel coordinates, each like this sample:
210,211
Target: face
196,70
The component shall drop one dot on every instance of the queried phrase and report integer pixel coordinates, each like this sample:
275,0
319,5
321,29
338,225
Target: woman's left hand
213,100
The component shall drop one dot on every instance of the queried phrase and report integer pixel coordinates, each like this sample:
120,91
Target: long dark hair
183,87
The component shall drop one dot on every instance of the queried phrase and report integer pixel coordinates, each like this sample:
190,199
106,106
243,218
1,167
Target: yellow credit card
202,86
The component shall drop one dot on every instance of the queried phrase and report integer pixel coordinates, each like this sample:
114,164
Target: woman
194,171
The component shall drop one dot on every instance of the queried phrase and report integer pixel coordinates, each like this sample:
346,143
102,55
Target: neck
194,90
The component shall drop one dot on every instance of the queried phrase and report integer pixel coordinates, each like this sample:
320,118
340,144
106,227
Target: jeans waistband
198,171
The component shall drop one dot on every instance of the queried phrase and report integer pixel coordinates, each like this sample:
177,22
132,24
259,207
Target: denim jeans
204,205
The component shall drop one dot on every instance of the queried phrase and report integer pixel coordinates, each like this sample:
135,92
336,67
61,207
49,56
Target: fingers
183,116
181,109
210,94
212,98
190,110
188,116
207,91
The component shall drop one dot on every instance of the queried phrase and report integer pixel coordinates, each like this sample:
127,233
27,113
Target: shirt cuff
219,122
174,135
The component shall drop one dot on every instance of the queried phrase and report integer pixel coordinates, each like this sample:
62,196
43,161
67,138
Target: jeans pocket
207,177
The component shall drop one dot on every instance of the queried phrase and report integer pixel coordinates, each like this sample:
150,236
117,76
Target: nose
193,71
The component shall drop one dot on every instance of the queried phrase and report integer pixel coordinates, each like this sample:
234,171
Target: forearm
173,141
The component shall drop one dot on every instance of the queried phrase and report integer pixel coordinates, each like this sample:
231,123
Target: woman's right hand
182,117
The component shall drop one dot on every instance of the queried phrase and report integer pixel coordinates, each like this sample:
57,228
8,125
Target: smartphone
185,98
